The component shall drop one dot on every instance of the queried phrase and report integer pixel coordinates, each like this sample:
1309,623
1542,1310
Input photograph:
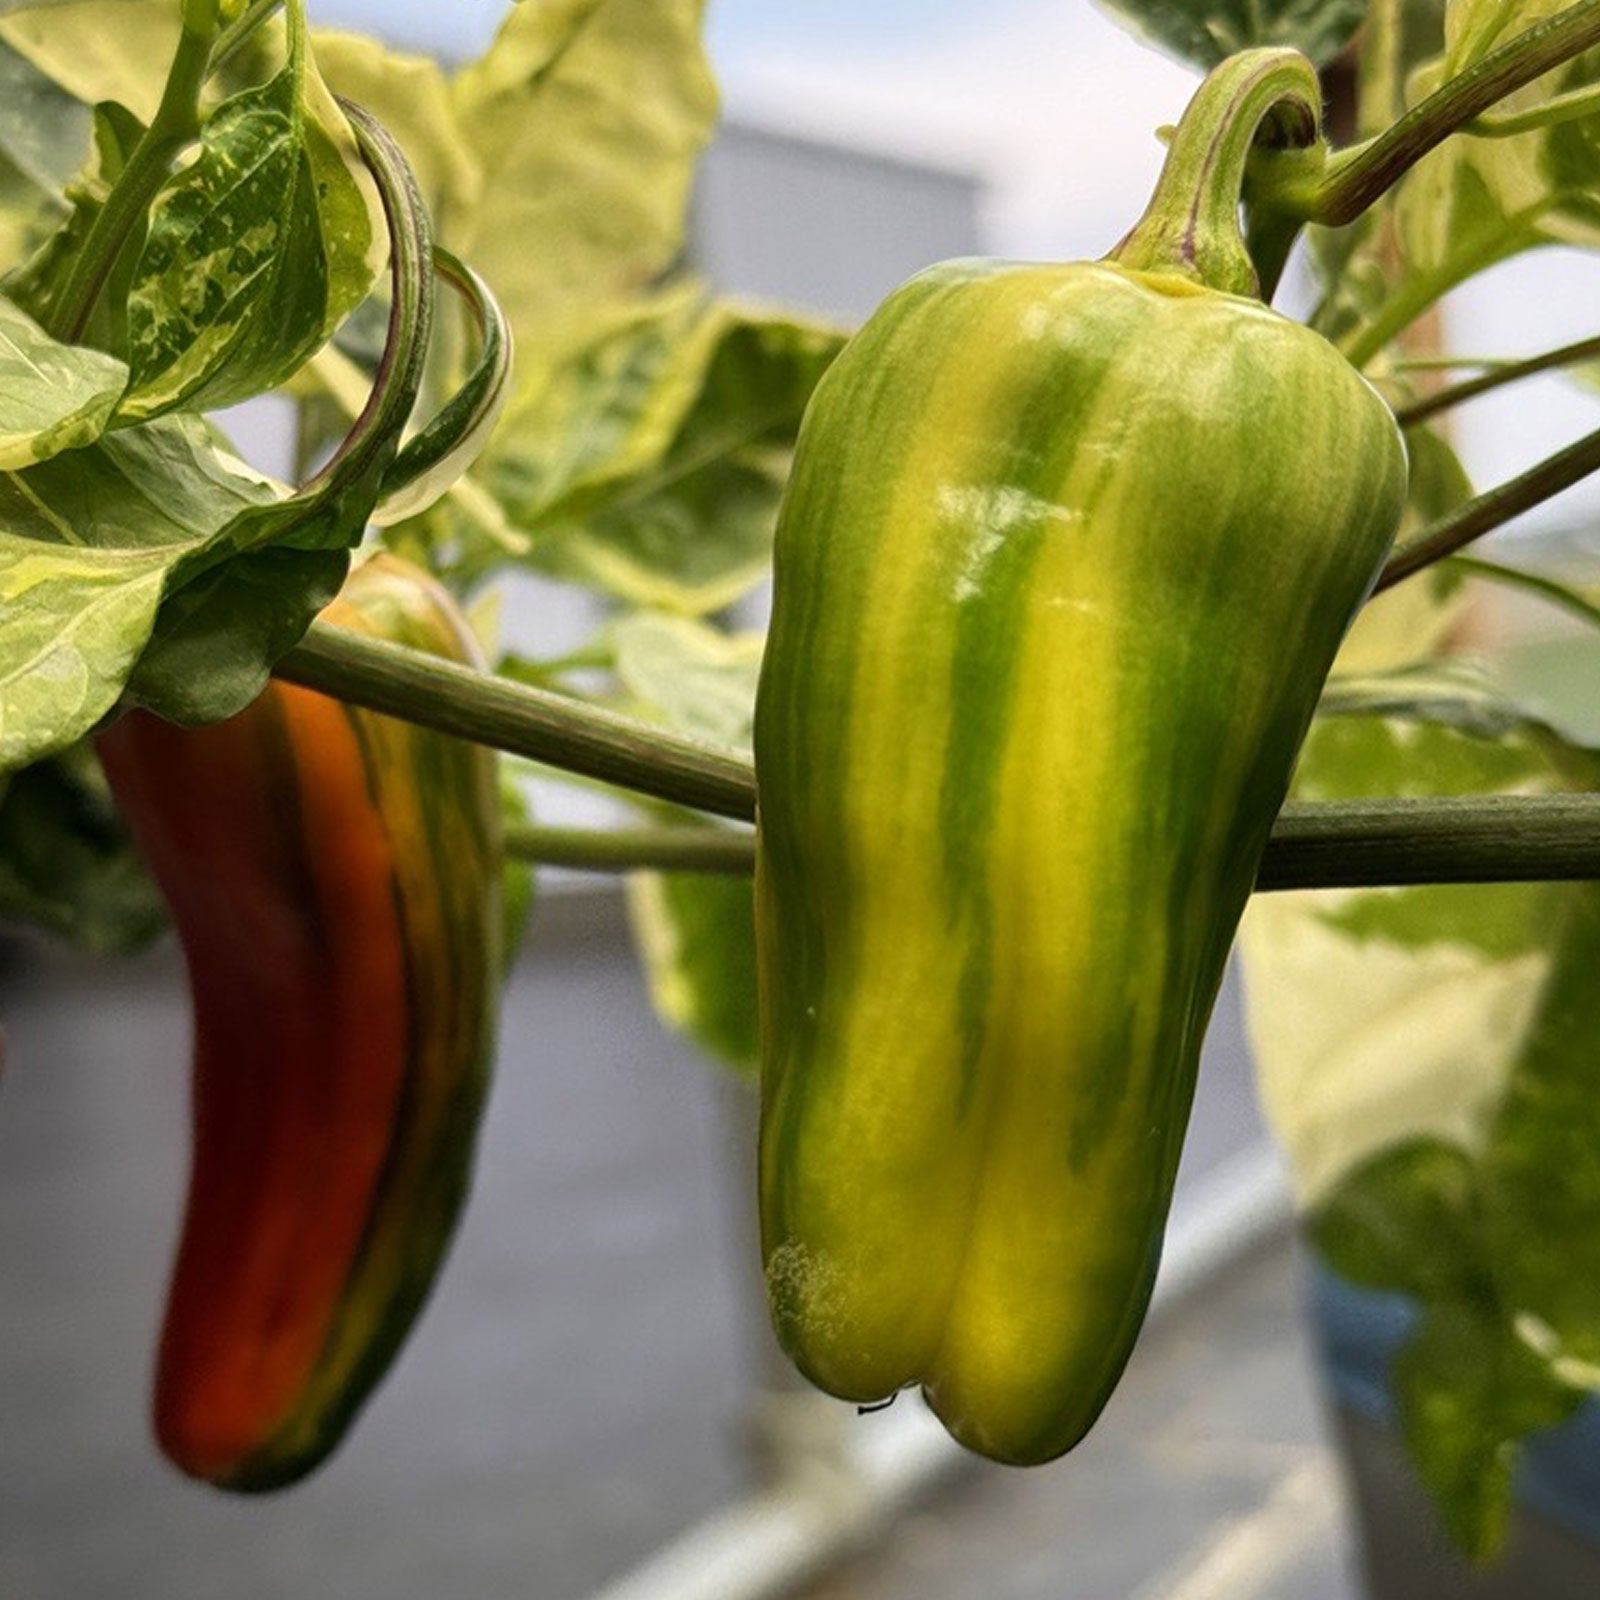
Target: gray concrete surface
575,1394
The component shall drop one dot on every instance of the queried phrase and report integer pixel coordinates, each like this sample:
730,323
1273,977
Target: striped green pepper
334,876
1064,562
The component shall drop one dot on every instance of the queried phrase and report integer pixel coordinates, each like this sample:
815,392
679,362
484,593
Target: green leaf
1542,1162
215,641
652,463
696,939
67,864
1476,201
53,396
90,543
586,118
1468,1393
689,675
410,95
256,251
37,283
1407,1220
1204,31
1381,1015
272,569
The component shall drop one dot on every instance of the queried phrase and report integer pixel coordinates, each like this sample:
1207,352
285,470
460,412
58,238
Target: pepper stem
1192,225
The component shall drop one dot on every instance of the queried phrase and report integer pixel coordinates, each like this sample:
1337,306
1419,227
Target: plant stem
528,722
176,125
1500,373
1355,178
1477,839
668,849
1349,845
432,462
1490,510
1493,839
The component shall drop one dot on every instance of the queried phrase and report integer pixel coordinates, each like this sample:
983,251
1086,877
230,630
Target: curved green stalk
1191,226
431,462
376,431
1499,373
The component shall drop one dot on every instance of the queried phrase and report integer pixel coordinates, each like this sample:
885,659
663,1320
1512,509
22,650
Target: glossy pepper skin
1064,562
334,876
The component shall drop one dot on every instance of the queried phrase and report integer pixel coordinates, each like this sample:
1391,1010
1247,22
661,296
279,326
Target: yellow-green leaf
100,49
696,939
586,117
257,250
651,462
1383,1014
53,396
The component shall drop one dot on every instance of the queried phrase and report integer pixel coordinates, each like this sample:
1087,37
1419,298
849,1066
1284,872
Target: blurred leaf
691,676
1204,31
518,884
37,282
90,543
1542,1163
652,463
257,249
100,49
586,118
1469,1392
1428,1055
696,939
53,396
1380,1015
44,131
1407,1220
1500,1245
410,95
1475,201
695,932
67,864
